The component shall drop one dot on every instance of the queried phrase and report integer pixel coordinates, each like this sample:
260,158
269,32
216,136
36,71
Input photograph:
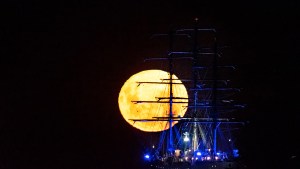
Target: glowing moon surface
133,90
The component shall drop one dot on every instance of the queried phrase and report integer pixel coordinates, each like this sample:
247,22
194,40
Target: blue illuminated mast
195,80
214,96
170,143
196,104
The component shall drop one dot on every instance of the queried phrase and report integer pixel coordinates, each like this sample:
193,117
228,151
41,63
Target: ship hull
199,165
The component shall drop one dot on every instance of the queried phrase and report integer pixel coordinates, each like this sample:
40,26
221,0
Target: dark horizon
63,64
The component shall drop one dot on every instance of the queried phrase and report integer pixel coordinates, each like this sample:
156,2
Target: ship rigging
203,137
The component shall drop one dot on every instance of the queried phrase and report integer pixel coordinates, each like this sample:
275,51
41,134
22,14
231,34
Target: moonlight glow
134,91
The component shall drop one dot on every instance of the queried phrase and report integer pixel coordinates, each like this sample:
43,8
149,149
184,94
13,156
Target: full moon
147,86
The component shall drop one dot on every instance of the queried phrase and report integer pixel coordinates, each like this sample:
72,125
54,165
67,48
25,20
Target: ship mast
195,79
196,51
214,97
170,143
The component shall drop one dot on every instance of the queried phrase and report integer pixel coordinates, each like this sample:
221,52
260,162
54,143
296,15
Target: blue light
147,156
236,153
198,153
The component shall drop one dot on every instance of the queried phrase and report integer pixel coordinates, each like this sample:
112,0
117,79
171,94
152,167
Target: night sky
63,64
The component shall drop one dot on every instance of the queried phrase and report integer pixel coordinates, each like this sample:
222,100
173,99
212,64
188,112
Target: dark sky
64,62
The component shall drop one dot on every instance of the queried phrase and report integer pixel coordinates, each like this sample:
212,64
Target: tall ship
189,104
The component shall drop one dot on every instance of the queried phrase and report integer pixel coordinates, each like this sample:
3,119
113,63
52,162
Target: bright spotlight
186,139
